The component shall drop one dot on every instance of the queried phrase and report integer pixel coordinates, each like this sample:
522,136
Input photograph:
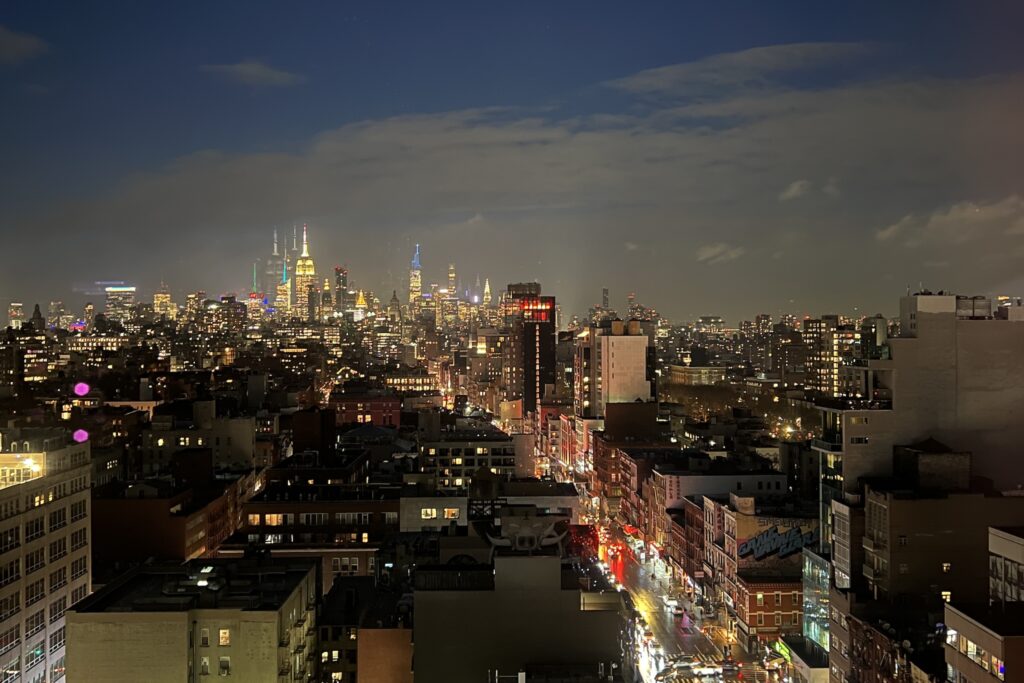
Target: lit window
160,442
760,599
946,566
428,513
458,482
947,596
451,513
366,537
224,638
254,520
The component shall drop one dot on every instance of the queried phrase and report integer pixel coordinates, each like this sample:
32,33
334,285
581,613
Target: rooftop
282,491
251,584
1005,619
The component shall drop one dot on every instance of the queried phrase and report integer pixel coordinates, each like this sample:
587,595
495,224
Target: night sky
713,157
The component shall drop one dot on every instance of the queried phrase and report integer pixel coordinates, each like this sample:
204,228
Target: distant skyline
725,158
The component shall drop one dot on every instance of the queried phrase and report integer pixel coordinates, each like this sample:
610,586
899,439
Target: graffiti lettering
771,542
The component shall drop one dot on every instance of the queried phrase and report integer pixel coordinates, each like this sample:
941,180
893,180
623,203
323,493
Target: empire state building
305,280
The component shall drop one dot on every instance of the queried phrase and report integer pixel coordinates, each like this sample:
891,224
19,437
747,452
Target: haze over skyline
715,160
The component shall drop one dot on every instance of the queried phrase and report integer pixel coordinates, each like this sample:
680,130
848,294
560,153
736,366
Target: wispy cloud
719,252
16,48
962,222
752,67
795,190
252,72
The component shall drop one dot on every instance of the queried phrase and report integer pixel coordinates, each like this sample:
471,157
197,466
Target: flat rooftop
279,491
1005,619
250,584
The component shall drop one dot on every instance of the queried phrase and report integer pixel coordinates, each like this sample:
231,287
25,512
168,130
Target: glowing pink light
81,389
80,435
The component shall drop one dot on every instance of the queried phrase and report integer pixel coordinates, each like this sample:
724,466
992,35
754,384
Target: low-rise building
1006,564
984,642
365,633
253,620
342,527
454,458
136,521
528,596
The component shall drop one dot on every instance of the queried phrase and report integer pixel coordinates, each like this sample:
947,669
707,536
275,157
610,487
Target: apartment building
1006,564
458,454
938,543
984,643
251,620
342,527
44,548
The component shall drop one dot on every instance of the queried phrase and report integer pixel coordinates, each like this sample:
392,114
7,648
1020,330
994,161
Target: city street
671,635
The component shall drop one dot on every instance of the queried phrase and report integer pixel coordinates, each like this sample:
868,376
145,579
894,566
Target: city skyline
710,167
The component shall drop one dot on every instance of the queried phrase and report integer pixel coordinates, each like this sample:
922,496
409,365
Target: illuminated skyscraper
88,314
15,315
340,289
530,359
254,306
305,278
120,303
162,304
415,280
452,281
273,268
487,292
283,298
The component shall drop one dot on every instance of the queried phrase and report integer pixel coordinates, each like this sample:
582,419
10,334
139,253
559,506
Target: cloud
889,232
831,188
563,192
796,189
16,48
253,72
631,246
754,67
963,222
719,252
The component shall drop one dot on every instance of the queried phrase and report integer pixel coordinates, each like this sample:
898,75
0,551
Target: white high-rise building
120,302
612,365
44,547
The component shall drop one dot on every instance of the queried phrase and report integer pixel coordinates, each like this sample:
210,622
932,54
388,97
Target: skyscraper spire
275,242
295,238
254,276
284,272
305,243
415,280
487,292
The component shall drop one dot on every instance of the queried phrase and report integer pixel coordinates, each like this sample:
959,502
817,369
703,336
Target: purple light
80,435
81,389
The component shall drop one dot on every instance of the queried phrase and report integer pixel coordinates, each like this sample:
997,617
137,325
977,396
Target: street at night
670,634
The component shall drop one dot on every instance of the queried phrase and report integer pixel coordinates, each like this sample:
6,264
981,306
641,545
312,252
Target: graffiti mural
773,543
